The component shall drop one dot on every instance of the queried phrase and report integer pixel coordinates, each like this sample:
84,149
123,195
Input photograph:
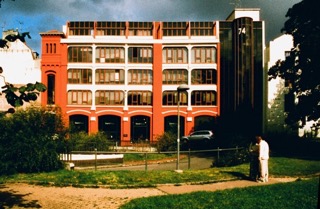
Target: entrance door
171,124
140,128
79,123
111,126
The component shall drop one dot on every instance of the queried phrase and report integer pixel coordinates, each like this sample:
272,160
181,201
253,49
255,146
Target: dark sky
37,16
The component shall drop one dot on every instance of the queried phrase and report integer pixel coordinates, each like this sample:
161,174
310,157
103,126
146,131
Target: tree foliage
30,140
301,68
17,96
13,38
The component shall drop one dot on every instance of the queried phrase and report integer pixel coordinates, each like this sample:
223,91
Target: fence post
69,154
146,162
95,159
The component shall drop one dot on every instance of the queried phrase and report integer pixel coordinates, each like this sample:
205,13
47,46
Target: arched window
204,76
203,55
51,89
174,76
206,98
174,55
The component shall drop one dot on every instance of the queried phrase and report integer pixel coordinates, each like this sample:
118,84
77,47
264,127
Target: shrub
166,142
232,158
81,141
29,140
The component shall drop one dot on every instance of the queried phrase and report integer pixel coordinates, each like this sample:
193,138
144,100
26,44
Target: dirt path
32,196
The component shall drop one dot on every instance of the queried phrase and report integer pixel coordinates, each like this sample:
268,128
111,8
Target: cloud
37,16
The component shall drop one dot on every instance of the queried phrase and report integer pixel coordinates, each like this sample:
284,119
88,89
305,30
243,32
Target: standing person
254,161
263,159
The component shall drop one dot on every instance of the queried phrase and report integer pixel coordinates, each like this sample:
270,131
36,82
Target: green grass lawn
301,194
278,166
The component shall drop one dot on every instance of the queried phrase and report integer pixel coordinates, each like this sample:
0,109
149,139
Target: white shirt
263,150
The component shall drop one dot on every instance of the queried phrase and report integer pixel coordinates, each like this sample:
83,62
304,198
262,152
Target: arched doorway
78,123
140,128
171,124
204,122
111,126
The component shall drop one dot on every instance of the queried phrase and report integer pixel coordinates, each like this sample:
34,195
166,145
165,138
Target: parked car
201,136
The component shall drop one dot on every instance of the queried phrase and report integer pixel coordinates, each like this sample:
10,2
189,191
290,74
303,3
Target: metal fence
114,160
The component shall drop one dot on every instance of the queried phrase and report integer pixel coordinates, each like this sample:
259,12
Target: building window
139,98
111,28
109,55
203,98
109,97
171,98
140,55
81,28
203,55
174,28
201,28
174,76
51,48
140,28
109,76
204,76
174,55
51,89
80,54
79,76
140,76
79,97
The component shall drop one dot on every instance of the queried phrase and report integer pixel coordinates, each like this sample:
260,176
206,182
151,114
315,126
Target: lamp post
181,88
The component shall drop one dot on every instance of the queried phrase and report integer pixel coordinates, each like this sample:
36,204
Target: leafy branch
16,96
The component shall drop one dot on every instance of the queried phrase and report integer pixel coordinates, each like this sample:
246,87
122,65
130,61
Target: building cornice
52,33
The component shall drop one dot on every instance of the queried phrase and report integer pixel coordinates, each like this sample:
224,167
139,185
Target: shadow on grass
9,199
238,175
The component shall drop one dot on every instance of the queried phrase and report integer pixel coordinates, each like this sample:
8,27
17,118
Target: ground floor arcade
139,127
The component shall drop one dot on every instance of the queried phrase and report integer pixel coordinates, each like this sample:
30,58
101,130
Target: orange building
122,78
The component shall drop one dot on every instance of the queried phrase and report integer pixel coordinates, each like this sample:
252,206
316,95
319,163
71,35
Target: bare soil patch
21,195
32,196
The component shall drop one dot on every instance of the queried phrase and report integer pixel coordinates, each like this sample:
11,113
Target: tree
31,139
301,68
17,96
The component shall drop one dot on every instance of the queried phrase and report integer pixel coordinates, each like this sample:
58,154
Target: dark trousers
254,168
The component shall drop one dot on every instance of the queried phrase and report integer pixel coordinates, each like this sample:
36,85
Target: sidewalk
21,195
186,188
